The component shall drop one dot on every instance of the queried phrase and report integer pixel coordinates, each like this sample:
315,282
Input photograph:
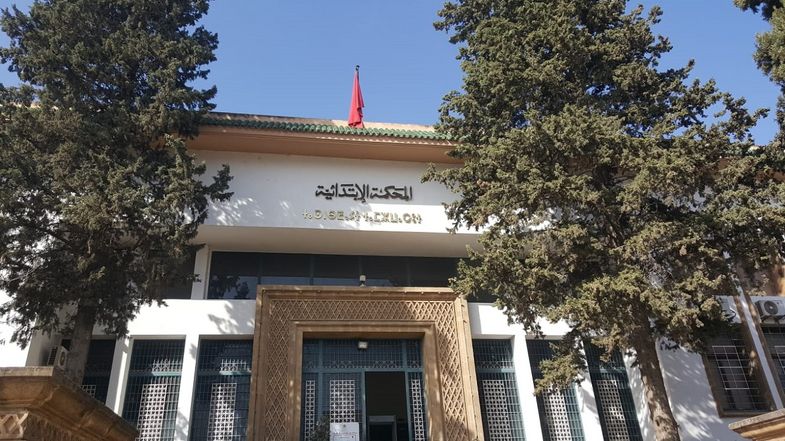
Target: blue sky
296,58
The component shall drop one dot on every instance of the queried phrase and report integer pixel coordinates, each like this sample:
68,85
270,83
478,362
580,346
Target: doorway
385,404
377,384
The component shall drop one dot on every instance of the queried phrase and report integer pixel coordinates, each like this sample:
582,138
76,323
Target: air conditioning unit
771,309
58,356
729,308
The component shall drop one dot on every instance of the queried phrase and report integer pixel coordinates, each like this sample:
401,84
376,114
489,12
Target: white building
353,319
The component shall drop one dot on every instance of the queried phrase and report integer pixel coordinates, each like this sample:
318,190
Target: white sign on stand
344,431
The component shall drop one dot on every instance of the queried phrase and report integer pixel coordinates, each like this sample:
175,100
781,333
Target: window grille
730,361
615,405
416,406
89,389
499,405
222,392
775,340
153,388
98,369
560,416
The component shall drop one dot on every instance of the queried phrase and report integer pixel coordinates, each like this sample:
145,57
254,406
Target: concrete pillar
590,415
118,377
187,383
202,272
525,380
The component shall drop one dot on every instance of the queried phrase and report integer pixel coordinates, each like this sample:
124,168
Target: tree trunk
665,426
80,342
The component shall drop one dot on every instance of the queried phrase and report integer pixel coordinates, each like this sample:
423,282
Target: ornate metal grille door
501,410
560,416
614,399
153,387
223,380
333,388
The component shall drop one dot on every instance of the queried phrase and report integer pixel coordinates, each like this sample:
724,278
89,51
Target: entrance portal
377,384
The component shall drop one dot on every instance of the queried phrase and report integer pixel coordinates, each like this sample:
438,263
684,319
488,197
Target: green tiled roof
290,126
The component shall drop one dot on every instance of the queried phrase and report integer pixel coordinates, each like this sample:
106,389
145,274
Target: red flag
356,108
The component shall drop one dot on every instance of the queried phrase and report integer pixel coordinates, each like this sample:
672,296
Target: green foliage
605,196
765,7
99,199
321,431
770,51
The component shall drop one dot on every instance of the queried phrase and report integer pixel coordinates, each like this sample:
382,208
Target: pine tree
770,51
99,199
606,196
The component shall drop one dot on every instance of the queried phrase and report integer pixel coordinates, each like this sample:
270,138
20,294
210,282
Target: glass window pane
385,271
233,275
286,269
182,290
336,270
432,271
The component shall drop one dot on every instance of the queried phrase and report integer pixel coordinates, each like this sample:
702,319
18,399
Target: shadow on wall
238,318
693,403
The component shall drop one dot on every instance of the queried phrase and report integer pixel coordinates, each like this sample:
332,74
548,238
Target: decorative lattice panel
497,412
614,399
342,401
223,376
220,426
152,409
275,335
416,406
501,410
309,407
153,388
615,424
560,418
89,389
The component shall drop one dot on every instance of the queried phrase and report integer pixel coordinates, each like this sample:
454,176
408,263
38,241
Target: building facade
322,295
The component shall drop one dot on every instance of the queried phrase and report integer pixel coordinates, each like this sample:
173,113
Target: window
614,398
336,270
560,416
732,375
775,340
432,271
223,386
385,271
98,367
153,388
499,405
235,275
182,290
286,269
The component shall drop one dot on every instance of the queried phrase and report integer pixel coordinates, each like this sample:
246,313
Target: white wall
278,190
11,354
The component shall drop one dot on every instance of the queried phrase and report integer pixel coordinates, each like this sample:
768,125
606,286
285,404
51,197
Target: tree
99,199
765,7
770,51
605,195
